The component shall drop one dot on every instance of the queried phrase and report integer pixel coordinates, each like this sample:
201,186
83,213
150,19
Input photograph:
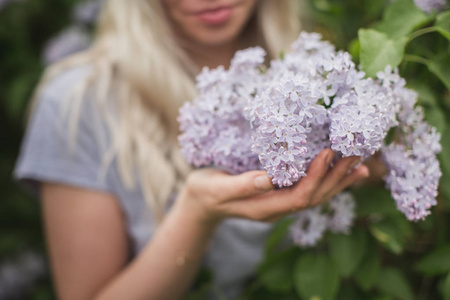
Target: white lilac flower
86,12
429,6
69,41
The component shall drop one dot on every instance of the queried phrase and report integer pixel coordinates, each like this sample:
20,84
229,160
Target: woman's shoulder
63,141
59,86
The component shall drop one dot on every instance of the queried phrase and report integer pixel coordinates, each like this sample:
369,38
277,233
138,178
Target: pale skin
85,229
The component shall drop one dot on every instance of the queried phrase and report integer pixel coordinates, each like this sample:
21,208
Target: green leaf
378,50
347,251
277,234
316,277
401,17
393,282
354,49
443,24
435,263
427,96
374,200
367,273
388,235
446,289
440,66
276,272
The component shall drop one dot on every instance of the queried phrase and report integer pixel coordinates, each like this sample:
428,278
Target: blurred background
35,33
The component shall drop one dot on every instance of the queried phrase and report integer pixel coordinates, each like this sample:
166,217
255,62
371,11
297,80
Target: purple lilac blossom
279,118
359,115
414,170
342,213
285,117
336,216
429,6
309,227
215,131
71,40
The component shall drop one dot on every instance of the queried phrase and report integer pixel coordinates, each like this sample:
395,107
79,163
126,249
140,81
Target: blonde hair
133,56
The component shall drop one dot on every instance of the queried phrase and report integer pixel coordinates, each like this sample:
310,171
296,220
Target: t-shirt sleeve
51,153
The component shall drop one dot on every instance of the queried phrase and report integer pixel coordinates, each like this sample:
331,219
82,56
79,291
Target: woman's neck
212,57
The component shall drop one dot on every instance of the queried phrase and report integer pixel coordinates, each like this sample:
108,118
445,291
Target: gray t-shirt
237,245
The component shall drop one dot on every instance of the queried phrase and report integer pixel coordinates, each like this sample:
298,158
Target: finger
357,174
231,187
299,196
315,175
334,176
287,200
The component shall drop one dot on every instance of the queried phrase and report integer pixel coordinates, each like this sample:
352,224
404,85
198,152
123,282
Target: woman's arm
87,239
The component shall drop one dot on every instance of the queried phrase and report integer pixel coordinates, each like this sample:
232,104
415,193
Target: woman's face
209,22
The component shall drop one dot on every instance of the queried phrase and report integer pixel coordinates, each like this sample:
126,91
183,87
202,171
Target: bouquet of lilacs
279,118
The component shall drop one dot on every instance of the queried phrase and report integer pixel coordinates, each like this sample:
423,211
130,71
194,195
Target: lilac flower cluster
279,118
316,98
413,166
336,216
215,131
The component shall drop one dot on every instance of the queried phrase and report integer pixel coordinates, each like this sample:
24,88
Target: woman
125,218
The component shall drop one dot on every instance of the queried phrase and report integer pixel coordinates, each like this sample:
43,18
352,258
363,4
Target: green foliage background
384,257
25,26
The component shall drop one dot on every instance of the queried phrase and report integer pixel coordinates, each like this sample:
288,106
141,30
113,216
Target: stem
415,58
421,32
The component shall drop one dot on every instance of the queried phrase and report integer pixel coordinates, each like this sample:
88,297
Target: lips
215,16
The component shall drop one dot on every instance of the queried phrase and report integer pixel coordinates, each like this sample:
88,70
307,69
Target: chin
217,36
216,40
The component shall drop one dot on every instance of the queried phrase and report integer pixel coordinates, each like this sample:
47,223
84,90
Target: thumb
243,185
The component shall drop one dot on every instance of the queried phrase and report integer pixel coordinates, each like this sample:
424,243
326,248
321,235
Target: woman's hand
214,195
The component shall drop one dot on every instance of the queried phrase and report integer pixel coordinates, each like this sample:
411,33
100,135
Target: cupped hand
214,195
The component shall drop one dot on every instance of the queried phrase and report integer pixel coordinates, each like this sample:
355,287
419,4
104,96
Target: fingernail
355,162
365,172
263,183
330,157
